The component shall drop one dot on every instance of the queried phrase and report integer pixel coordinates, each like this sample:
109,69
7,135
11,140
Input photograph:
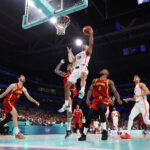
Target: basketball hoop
61,24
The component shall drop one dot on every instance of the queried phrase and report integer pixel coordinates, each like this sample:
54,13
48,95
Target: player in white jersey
141,105
115,117
80,70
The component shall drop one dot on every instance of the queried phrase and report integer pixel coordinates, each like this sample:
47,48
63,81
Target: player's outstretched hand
69,50
37,103
119,102
62,61
126,100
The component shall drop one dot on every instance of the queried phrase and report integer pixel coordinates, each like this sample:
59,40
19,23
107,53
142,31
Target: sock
104,125
16,130
69,126
129,126
66,102
82,88
85,130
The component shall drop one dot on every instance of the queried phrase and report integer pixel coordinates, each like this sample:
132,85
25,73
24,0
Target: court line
47,147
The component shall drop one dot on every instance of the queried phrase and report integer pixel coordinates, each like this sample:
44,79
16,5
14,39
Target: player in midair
115,118
12,95
100,89
73,91
80,70
141,105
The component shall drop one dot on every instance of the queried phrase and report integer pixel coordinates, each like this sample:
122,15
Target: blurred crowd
43,118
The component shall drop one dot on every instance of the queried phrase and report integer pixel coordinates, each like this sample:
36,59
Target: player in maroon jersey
73,90
100,89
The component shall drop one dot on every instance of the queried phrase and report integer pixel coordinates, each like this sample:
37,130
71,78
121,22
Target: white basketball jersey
139,91
82,59
115,114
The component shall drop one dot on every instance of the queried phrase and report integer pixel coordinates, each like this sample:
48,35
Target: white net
61,25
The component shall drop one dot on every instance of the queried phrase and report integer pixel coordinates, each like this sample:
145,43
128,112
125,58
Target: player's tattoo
58,71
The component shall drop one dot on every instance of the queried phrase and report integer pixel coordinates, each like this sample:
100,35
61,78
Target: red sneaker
126,136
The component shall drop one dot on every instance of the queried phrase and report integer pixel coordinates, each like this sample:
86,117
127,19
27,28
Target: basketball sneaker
125,136
104,135
82,138
64,108
81,94
68,133
19,136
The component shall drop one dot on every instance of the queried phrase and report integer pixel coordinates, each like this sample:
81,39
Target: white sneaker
64,108
81,94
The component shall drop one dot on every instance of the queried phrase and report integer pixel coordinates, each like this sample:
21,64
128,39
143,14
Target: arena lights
78,42
53,20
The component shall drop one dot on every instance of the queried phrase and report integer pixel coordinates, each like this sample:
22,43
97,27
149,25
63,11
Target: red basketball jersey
14,95
101,90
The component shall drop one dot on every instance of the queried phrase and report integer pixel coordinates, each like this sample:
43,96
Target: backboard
40,11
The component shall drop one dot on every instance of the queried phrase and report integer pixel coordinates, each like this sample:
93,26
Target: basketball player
100,89
12,95
141,105
80,70
77,117
115,117
73,91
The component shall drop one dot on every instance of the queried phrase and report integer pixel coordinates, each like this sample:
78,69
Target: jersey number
99,88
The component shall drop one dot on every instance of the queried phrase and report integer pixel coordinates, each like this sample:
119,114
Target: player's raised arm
11,87
91,42
30,98
57,69
71,57
114,90
89,94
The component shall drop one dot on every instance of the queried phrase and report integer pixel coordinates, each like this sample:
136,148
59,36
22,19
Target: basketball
86,30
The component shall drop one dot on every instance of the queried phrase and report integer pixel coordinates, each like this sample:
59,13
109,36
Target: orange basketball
86,30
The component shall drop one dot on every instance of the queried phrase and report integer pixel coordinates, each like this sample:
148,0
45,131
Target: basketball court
57,142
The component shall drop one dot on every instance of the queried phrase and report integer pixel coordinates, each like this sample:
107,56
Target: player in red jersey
100,89
12,95
73,91
77,117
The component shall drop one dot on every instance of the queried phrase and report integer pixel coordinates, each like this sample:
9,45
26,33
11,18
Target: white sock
66,102
104,125
85,130
16,130
82,88
69,126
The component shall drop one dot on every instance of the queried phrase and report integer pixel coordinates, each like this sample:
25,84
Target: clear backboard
40,11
